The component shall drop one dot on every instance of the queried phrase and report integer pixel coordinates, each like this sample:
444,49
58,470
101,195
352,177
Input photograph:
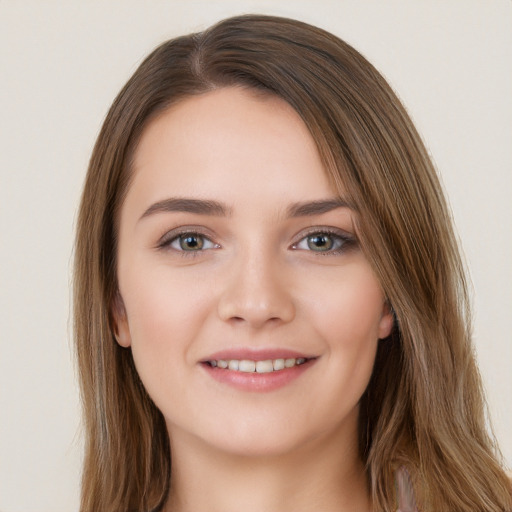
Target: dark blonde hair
424,407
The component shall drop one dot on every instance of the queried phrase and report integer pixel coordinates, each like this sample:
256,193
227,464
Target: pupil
322,242
191,242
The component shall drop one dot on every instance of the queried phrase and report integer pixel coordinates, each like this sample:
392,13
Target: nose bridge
255,291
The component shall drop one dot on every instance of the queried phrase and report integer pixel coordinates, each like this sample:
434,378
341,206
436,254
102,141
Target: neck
314,477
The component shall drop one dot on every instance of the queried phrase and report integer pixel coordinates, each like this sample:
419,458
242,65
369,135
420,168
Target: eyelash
342,240
174,236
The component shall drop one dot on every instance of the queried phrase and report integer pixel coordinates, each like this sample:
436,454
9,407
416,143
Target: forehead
233,143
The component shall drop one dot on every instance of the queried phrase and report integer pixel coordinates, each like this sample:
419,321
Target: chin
244,439
272,439
258,446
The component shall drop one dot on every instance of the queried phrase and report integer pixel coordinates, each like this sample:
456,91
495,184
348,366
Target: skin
258,282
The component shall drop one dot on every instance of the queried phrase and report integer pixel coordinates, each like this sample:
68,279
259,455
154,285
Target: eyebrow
310,208
215,208
178,204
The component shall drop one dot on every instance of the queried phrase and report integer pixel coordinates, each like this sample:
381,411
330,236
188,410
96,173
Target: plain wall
62,63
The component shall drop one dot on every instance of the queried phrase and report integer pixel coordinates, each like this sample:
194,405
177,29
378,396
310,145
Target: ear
387,320
120,326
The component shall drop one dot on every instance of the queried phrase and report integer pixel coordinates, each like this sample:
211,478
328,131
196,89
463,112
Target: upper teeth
248,366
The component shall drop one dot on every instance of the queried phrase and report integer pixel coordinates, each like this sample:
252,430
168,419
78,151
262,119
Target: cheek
165,313
349,320
349,307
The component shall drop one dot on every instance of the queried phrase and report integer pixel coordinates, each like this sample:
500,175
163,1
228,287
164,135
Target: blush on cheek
163,318
357,319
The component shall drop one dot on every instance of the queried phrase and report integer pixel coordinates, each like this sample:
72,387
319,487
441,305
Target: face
252,314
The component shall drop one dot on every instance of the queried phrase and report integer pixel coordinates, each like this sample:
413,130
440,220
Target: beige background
62,62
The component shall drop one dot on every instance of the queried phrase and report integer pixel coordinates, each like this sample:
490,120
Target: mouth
251,366
257,371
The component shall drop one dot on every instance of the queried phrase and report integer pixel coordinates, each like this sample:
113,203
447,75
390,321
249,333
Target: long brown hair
424,407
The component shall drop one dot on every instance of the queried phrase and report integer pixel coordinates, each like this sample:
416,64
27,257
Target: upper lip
253,354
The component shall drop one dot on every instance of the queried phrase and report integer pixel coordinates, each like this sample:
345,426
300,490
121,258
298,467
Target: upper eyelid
347,241
172,234
341,233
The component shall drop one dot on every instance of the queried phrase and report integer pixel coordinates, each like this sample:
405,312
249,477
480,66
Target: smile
257,371
249,366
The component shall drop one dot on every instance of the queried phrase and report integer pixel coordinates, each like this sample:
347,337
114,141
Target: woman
270,307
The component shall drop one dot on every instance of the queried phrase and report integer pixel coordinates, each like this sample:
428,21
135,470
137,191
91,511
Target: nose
256,293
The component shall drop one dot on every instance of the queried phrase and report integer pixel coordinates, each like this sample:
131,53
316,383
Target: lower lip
258,382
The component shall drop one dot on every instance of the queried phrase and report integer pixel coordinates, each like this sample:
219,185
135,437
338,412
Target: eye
189,242
324,242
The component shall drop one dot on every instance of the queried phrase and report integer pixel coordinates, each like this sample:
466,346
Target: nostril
255,305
